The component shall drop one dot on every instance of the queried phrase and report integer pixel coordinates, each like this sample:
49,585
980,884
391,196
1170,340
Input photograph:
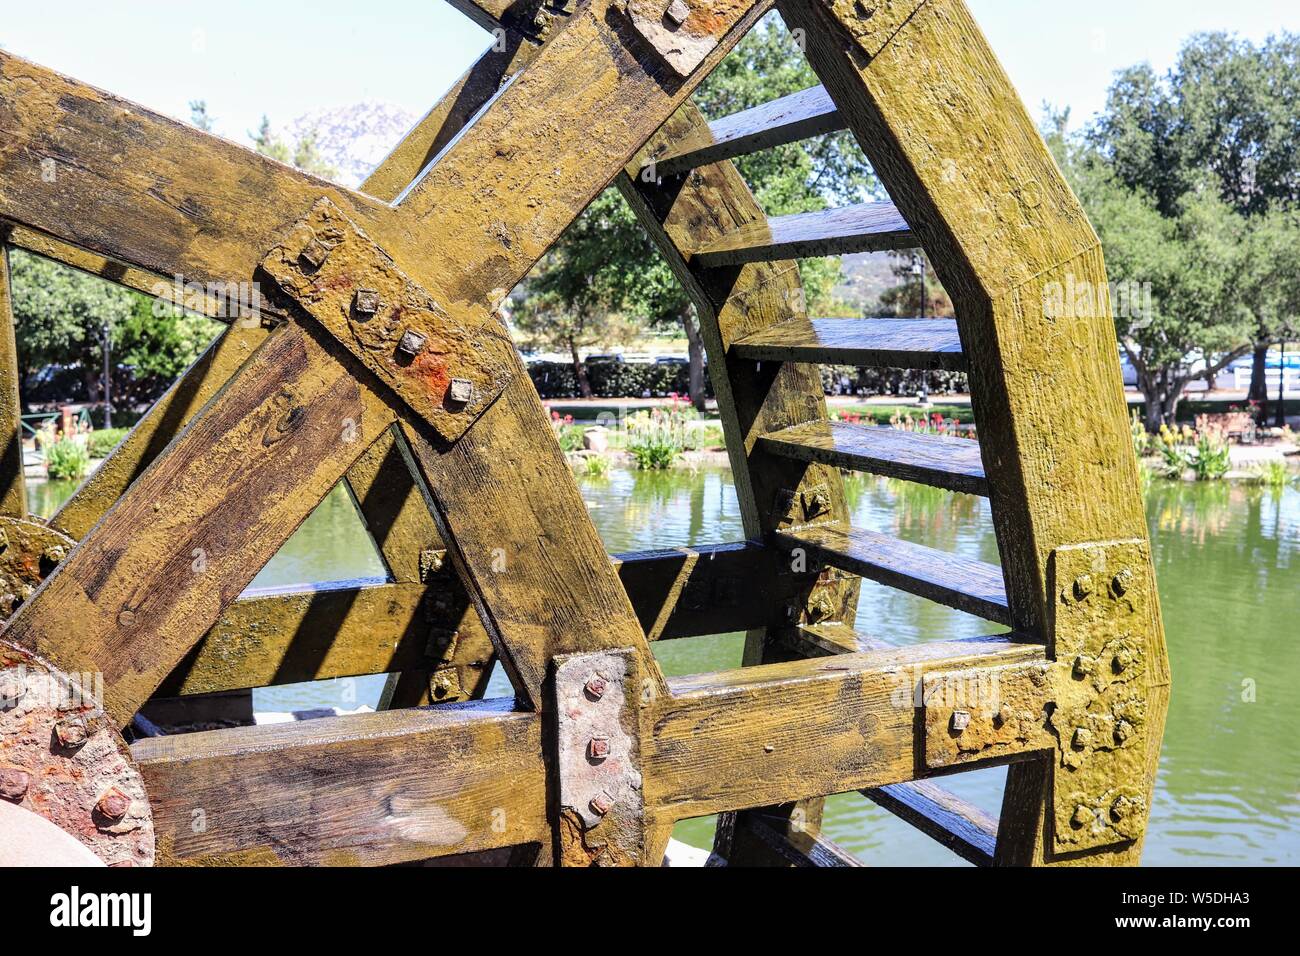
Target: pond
1228,565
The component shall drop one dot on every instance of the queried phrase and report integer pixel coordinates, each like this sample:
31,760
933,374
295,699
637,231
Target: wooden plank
13,485
941,461
892,343
1001,225
965,829
197,526
366,789
800,729
962,583
797,116
800,850
865,227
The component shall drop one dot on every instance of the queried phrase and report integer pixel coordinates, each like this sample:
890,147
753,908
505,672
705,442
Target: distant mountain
863,277
355,139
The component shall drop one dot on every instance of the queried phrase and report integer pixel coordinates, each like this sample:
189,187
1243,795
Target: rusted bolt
72,731
1082,586
461,391
1083,665
598,748
816,503
113,804
768,748
960,721
366,302
1120,582
55,553
1082,816
411,342
1123,807
126,617
1082,737
677,12
595,687
1123,658
820,608
12,686
1123,730
1004,715
602,803
315,253
13,783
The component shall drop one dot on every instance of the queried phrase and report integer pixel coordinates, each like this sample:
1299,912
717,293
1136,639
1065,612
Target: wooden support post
13,487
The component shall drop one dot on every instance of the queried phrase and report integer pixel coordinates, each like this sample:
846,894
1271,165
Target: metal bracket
598,703
446,373
684,32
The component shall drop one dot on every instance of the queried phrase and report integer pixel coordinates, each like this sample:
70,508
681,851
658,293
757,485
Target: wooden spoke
893,343
869,227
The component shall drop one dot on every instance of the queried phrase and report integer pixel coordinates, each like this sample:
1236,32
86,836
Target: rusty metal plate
988,712
1104,615
29,552
684,32
597,706
62,759
447,374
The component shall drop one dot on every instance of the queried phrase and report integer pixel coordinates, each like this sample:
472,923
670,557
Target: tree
1225,111
611,267
301,152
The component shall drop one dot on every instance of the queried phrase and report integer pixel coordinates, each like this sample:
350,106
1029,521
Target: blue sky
248,58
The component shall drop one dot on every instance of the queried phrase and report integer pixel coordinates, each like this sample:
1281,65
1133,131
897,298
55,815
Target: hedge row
635,380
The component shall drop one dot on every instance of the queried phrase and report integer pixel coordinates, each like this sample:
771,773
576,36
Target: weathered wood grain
965,829
783,848
892,343
196,527
13,486
952,463
965,584
788,119
346,791
866,227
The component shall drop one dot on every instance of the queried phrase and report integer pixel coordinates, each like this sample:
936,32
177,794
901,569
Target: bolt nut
1123,658
1082,586
595,687
1123,730
1082,816
412,342
461,391
315,253
598,748
1082,737
366,302
72,731
12,686
602,803
677,12
1121,581
1083,665
1124,807
113,804
126,617
1004,715
13,783
960,721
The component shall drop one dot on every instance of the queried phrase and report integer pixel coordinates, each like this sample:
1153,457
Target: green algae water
1228,565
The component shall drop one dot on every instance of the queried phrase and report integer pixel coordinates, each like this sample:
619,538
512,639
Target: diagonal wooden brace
446,373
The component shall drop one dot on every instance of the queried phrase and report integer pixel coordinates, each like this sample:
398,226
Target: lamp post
107,343
918,270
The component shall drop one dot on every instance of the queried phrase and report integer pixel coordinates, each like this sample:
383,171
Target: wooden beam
892,343
13,485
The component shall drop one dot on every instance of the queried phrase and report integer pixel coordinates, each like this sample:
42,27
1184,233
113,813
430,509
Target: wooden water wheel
375,357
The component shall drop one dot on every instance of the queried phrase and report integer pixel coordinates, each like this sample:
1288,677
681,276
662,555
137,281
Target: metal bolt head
71,731
1083,665
677,12
12,686
1082,737
1082,586
1004,715
1120,582
126,617
412,342
1123,730
366,302
960,721
315,253
1082,816
595,687
602,803
598,748
1123,807
1123,658
461,390
113,804
13,783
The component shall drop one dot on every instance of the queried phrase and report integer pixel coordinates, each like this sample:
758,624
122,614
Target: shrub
1271,474
1209,457
594,466
67,459
102,441
656,438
